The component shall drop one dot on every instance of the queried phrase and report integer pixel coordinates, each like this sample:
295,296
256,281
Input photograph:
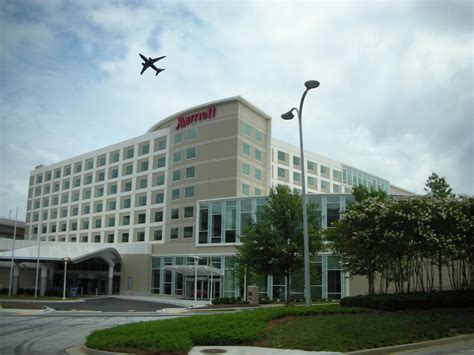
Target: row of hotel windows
312,182
101,160
140,217
247,130
312,167
124,237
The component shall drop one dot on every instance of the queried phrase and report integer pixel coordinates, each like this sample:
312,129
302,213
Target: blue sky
396,94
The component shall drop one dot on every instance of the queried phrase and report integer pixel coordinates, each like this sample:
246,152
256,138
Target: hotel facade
148,215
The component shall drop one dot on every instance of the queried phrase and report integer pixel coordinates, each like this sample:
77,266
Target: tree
273,245
437,186
362,193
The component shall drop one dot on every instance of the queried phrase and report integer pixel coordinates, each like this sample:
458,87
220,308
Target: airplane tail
158,72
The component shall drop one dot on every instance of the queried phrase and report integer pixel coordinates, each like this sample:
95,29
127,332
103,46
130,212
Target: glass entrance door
202,287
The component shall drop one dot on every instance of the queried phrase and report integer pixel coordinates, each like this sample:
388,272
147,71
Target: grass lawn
369,330
331,328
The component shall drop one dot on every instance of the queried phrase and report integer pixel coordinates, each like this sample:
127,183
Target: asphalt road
35,335
110,304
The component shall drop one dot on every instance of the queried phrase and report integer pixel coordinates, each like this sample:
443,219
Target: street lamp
65,261
196,258
310,84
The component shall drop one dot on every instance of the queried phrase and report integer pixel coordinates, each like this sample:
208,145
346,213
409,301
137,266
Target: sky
395,100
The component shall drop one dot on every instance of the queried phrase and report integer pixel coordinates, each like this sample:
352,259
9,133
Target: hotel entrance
207,289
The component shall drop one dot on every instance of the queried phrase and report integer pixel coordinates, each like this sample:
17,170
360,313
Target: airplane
149,63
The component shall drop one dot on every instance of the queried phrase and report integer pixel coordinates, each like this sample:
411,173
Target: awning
56,253
202,270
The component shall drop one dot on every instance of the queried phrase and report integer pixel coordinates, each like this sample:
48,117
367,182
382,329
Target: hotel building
145,215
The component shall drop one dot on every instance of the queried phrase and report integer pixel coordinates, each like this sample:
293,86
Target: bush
26,291
229,300
403,301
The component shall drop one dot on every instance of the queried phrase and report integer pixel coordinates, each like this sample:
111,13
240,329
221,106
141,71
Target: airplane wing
157,59
144,68
143,57
153,66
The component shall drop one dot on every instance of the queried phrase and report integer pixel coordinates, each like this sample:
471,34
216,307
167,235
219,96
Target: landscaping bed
330,328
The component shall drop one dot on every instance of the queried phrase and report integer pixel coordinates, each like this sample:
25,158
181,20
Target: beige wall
139,268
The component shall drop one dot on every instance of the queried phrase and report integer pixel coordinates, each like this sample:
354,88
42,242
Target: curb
413,346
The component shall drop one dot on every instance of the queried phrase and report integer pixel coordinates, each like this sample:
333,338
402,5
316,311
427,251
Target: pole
245,284
64,281
38,236
210,299
13,254
307,278
195,281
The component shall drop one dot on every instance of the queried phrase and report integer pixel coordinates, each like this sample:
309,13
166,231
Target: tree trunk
287,288
440,274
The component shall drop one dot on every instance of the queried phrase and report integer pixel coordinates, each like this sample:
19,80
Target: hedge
403,301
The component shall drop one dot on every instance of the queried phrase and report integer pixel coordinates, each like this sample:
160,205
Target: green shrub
403,301
229,300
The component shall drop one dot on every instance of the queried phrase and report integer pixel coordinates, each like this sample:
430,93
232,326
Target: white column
111,279
44,279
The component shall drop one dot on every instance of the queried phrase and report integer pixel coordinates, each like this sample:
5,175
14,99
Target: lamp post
196,258
310,84
65,261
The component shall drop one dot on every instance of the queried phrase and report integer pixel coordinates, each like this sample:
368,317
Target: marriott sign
183,121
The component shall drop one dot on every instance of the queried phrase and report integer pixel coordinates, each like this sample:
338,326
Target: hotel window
312,182
98,207
124,237
159,197
77,182
188,212
127,203
112,205
45,215
101,176
142,218
246,148
67,170
66,185
55,200
177,157
88,179
53,228
176,175
281,172
246,129
113,173
75,196
85,224
296,177
159,216
127,186
192,133
281,156
173,233
245,169
336,188
96,238
258,192
143,183
56,187
110,238
336,175
324,171
63,227
126,220
37,203
258,174
114,157
129,153
57,173
89,164
99,191
142,201
54,214
161,144
128,169
86,209
258,135
190,172
245,190
47,189
38,191
101,160
145,149
158,235
296,160
178,138
191,153
187,232
78,167
111,221
175,194
48,176
161,163
258,155
324,186
113,189
189,192
144,166
65,198
46,202
160,180
74,226
175,213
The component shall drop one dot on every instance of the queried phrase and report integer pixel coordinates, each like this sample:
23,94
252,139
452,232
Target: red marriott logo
183,121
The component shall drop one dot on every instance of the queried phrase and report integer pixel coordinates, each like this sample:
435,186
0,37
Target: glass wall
354,177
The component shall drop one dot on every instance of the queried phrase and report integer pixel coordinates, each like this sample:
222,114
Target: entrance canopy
202,270
56,253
